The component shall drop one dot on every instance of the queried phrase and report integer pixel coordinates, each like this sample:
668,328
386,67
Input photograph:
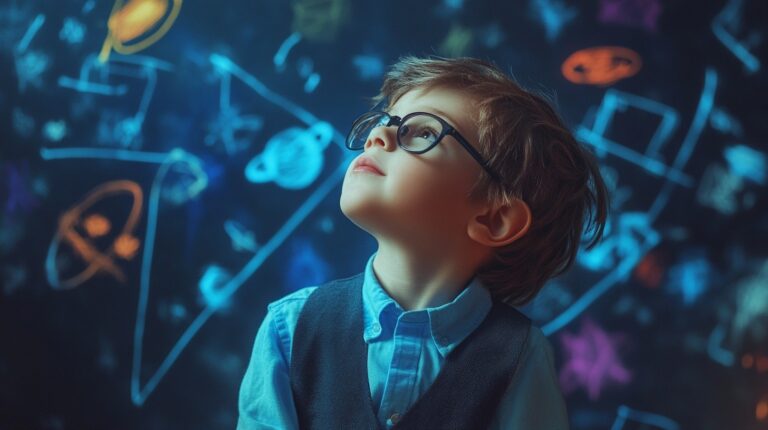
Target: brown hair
528,144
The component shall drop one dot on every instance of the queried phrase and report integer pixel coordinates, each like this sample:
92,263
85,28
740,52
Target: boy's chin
354,203
362,213
355,209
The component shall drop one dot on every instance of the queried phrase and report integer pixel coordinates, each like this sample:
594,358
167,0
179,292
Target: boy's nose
381,136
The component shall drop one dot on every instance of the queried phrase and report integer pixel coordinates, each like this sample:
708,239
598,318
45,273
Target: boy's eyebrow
450,120
437,111
446,116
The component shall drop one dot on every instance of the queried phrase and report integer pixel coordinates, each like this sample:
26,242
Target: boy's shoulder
299,297
537,338
292,299
538,347
284,313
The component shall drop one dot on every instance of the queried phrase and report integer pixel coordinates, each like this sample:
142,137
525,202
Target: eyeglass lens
416,133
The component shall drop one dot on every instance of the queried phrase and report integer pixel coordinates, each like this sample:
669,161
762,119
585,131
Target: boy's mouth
366,164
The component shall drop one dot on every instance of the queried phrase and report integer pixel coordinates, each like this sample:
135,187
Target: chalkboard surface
168,168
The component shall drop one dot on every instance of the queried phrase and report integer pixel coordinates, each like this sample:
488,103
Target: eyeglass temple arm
476,155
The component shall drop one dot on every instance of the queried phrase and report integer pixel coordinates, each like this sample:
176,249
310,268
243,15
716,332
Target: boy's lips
366,163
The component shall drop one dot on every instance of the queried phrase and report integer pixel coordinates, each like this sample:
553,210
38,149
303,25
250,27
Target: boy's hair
528,144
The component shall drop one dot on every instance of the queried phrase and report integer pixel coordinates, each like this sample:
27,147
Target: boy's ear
499,226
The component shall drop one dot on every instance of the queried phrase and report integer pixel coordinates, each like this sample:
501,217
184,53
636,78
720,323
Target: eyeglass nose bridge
392,120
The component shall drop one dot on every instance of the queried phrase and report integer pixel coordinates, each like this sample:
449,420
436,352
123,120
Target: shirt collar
449,323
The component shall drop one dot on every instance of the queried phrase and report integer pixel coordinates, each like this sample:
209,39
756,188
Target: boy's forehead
437,97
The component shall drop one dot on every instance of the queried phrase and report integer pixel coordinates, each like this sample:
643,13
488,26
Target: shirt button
394,418
376,328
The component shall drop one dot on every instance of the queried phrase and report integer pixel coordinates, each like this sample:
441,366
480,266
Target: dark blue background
683,319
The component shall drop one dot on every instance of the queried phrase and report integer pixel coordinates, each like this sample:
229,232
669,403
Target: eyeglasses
417,132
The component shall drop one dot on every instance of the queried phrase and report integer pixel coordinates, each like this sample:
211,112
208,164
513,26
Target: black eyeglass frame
447,130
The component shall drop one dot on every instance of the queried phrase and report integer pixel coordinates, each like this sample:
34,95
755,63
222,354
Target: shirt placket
403,370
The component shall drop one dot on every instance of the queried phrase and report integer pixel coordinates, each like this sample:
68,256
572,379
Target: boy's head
490,174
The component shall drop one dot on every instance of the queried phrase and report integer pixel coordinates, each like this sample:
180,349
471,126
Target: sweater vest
329,370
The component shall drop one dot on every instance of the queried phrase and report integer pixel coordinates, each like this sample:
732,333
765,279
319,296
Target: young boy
476,193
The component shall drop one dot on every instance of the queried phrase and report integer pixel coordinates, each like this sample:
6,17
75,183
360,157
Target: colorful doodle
369,67
235,131
554,15
292,158
634,13
626,415
134,20
746,163
761,410
722,190
304,65
242,239
97,261
30,64
319,21
751,313
141,389
55,130
457,42
691,277
603,65
728,22
637,221
758,362
649,271
214,277
72,31
592,361
97,78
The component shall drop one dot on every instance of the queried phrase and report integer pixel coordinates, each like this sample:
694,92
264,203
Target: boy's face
420,196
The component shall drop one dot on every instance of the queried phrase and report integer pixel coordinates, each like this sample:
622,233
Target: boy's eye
419,132
427,133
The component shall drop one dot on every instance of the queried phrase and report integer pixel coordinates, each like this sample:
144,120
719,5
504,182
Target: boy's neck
417,281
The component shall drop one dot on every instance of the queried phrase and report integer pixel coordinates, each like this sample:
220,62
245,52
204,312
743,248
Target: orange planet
602,65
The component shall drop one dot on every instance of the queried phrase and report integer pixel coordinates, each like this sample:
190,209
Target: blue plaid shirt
406,350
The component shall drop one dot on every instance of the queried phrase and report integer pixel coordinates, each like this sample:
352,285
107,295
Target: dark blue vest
329,370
